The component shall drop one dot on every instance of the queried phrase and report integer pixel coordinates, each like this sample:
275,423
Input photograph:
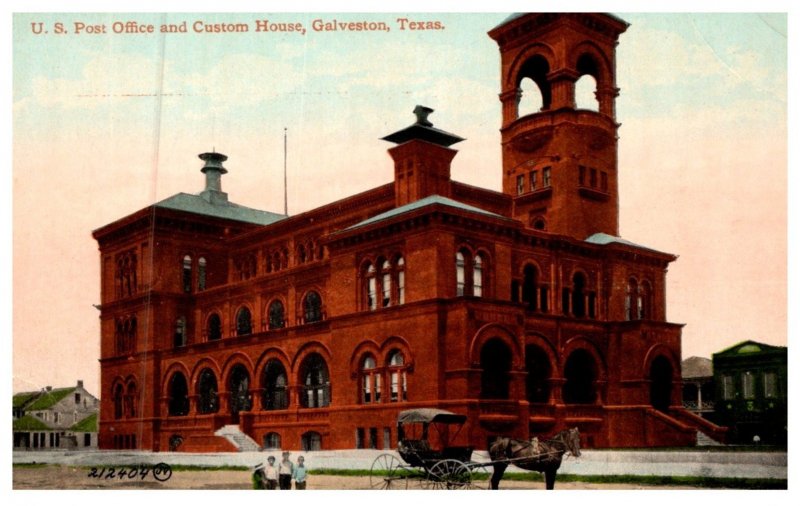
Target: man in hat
258,478
285,471
271,473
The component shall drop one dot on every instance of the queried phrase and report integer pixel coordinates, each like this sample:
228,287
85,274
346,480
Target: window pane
770,385
748,385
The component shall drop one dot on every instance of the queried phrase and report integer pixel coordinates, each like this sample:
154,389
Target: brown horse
542,456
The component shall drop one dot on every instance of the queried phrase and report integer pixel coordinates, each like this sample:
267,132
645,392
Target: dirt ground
69,477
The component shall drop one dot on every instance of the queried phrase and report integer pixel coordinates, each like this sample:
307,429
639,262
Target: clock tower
559,156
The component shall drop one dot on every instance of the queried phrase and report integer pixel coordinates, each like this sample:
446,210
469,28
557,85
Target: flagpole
285,195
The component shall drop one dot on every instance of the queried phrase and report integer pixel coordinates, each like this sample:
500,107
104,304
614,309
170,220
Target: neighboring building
55,418
522,309
698,385
751,382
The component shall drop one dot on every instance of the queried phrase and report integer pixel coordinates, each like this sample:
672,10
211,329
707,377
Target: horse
534,455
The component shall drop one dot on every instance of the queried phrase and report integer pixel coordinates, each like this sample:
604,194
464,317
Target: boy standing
299,474
285,471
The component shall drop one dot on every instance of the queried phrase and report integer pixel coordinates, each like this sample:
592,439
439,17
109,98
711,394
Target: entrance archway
239,387
661,383
495,365
580,373
537,364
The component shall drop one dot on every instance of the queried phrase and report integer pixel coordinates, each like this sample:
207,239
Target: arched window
118,395
400,265
178,403
239,387
274,384
272,441
578,295
644,302
530,97
534,93
397,377
301,254
214,327
131,399
130,335
244,322
370,381
312,307
187,274
631,298
311,442
586,85
201,274
477,276
580,373
461,275
371,287
386,284
208,392
276,315
180,332
316,382
496,366
537,383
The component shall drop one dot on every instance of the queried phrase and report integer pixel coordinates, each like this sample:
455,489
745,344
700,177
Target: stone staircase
704,440
239,439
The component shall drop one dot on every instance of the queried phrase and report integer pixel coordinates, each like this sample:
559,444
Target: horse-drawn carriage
446,466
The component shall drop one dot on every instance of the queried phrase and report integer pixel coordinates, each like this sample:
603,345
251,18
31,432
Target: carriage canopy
430,415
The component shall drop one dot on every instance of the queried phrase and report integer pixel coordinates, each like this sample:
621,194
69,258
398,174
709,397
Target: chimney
214,170
421,159
80,383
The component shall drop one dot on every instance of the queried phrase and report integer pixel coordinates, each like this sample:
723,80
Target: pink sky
703,152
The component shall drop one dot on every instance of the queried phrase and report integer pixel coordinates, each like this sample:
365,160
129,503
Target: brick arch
273,352
204,363
659,350
234,359
396,343
306,350
529,261
169,372
495,330
541,341
363,348
582,343
536,49
588,47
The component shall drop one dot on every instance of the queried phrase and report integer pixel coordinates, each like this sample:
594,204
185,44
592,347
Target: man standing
271,472
285,471
299,474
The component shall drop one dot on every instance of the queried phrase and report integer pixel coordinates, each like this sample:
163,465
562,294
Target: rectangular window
373,438
387,289
77,398
401,287
532,177
593,178
387,438
371,294
359,438
87,439
770,385
748,385
727,387
520,184
55,417
546,177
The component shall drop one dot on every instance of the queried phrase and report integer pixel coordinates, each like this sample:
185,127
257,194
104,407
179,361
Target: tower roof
423,130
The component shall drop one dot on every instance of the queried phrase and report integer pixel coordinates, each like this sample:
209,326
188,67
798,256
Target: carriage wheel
449,475
387,472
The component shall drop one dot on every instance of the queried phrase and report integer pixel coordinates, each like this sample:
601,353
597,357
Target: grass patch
30,465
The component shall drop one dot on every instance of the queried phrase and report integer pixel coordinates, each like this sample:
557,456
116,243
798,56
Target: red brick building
523,309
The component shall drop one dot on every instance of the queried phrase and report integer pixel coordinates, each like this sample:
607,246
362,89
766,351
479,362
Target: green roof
417,204
23,398
48,399
30,422
88,424
602,239
228,210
